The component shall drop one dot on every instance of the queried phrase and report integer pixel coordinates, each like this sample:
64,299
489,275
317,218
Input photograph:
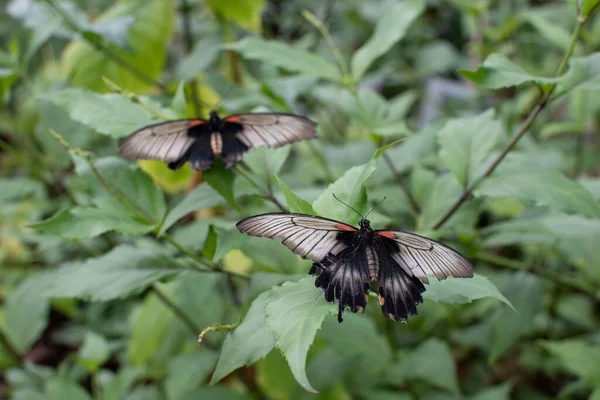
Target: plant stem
522,130
216,328
330,42
188,39
398,176
189,323
98,45
541,272
268,195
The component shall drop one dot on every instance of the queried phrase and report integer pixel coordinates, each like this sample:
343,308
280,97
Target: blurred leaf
463,290
89,222
119,273
146,39
524,292
541,187
588,5
216,393
248,343
274,378
466,143
294,313
266,161
431,362
391,27
444,192
287,57
295,203
60,388
203,196
110,114
549,30
25,315
222,180
171,181
121,383
244,13
94,351
500,392
578,357
188,371
179,103
14,189
204,53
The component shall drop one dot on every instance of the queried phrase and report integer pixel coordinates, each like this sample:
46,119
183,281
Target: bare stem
189,323
268,195
522,130
216,328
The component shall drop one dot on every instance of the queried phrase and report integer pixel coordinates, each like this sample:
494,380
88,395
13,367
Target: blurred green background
110,269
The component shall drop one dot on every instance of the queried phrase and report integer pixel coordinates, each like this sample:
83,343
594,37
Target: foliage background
111,269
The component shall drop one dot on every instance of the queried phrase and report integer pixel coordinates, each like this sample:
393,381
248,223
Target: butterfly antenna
347,205
374,205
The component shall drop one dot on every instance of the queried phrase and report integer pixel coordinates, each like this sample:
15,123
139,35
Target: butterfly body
200,142
347,260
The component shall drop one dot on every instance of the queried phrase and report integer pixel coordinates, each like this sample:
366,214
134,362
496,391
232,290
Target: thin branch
98,45
398,176
581,20
189,323
550,275
316,22
216,328
188,40
269,196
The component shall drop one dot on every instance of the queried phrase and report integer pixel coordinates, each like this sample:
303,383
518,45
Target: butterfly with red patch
348,259
199,141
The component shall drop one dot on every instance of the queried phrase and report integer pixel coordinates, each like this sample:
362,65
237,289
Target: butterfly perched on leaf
348,259
200,141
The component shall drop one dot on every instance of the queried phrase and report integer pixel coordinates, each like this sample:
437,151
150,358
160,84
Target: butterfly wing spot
387,234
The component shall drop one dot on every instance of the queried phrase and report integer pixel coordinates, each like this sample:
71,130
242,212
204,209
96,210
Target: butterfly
200,141
348,259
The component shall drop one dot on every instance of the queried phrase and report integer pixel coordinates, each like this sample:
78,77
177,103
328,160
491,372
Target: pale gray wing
167,141
306,235
422,257
273,129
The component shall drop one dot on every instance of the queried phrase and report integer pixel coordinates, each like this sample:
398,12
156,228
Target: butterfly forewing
167,141
308,236
272,129
424,257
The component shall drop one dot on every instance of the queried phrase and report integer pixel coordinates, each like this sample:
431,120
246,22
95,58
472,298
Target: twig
188,40
98,45
541,272
581,20
268,195
413,202
10,348
316,22
216,328
189,323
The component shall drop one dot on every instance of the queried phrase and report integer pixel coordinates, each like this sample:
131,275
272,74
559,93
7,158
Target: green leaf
466,143
541,187
94,351
222,180
265,161
187,372
61,388
287,57
414,148
17,188
350,189
442,194
244,13
216,393
25,315
110,114
524,292
549,30
203,196
463,290
147,40
500,392
131,183
588,5
121,383
89,222
119,273
248,343
294,202
391,27
294,313
179,103
499,72
583,73
578,357
431,362
274,377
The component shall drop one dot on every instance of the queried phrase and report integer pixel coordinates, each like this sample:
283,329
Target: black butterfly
200,142
349,259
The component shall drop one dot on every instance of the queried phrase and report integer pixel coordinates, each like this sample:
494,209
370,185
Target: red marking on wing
345,227
195,122
387,234
232,119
